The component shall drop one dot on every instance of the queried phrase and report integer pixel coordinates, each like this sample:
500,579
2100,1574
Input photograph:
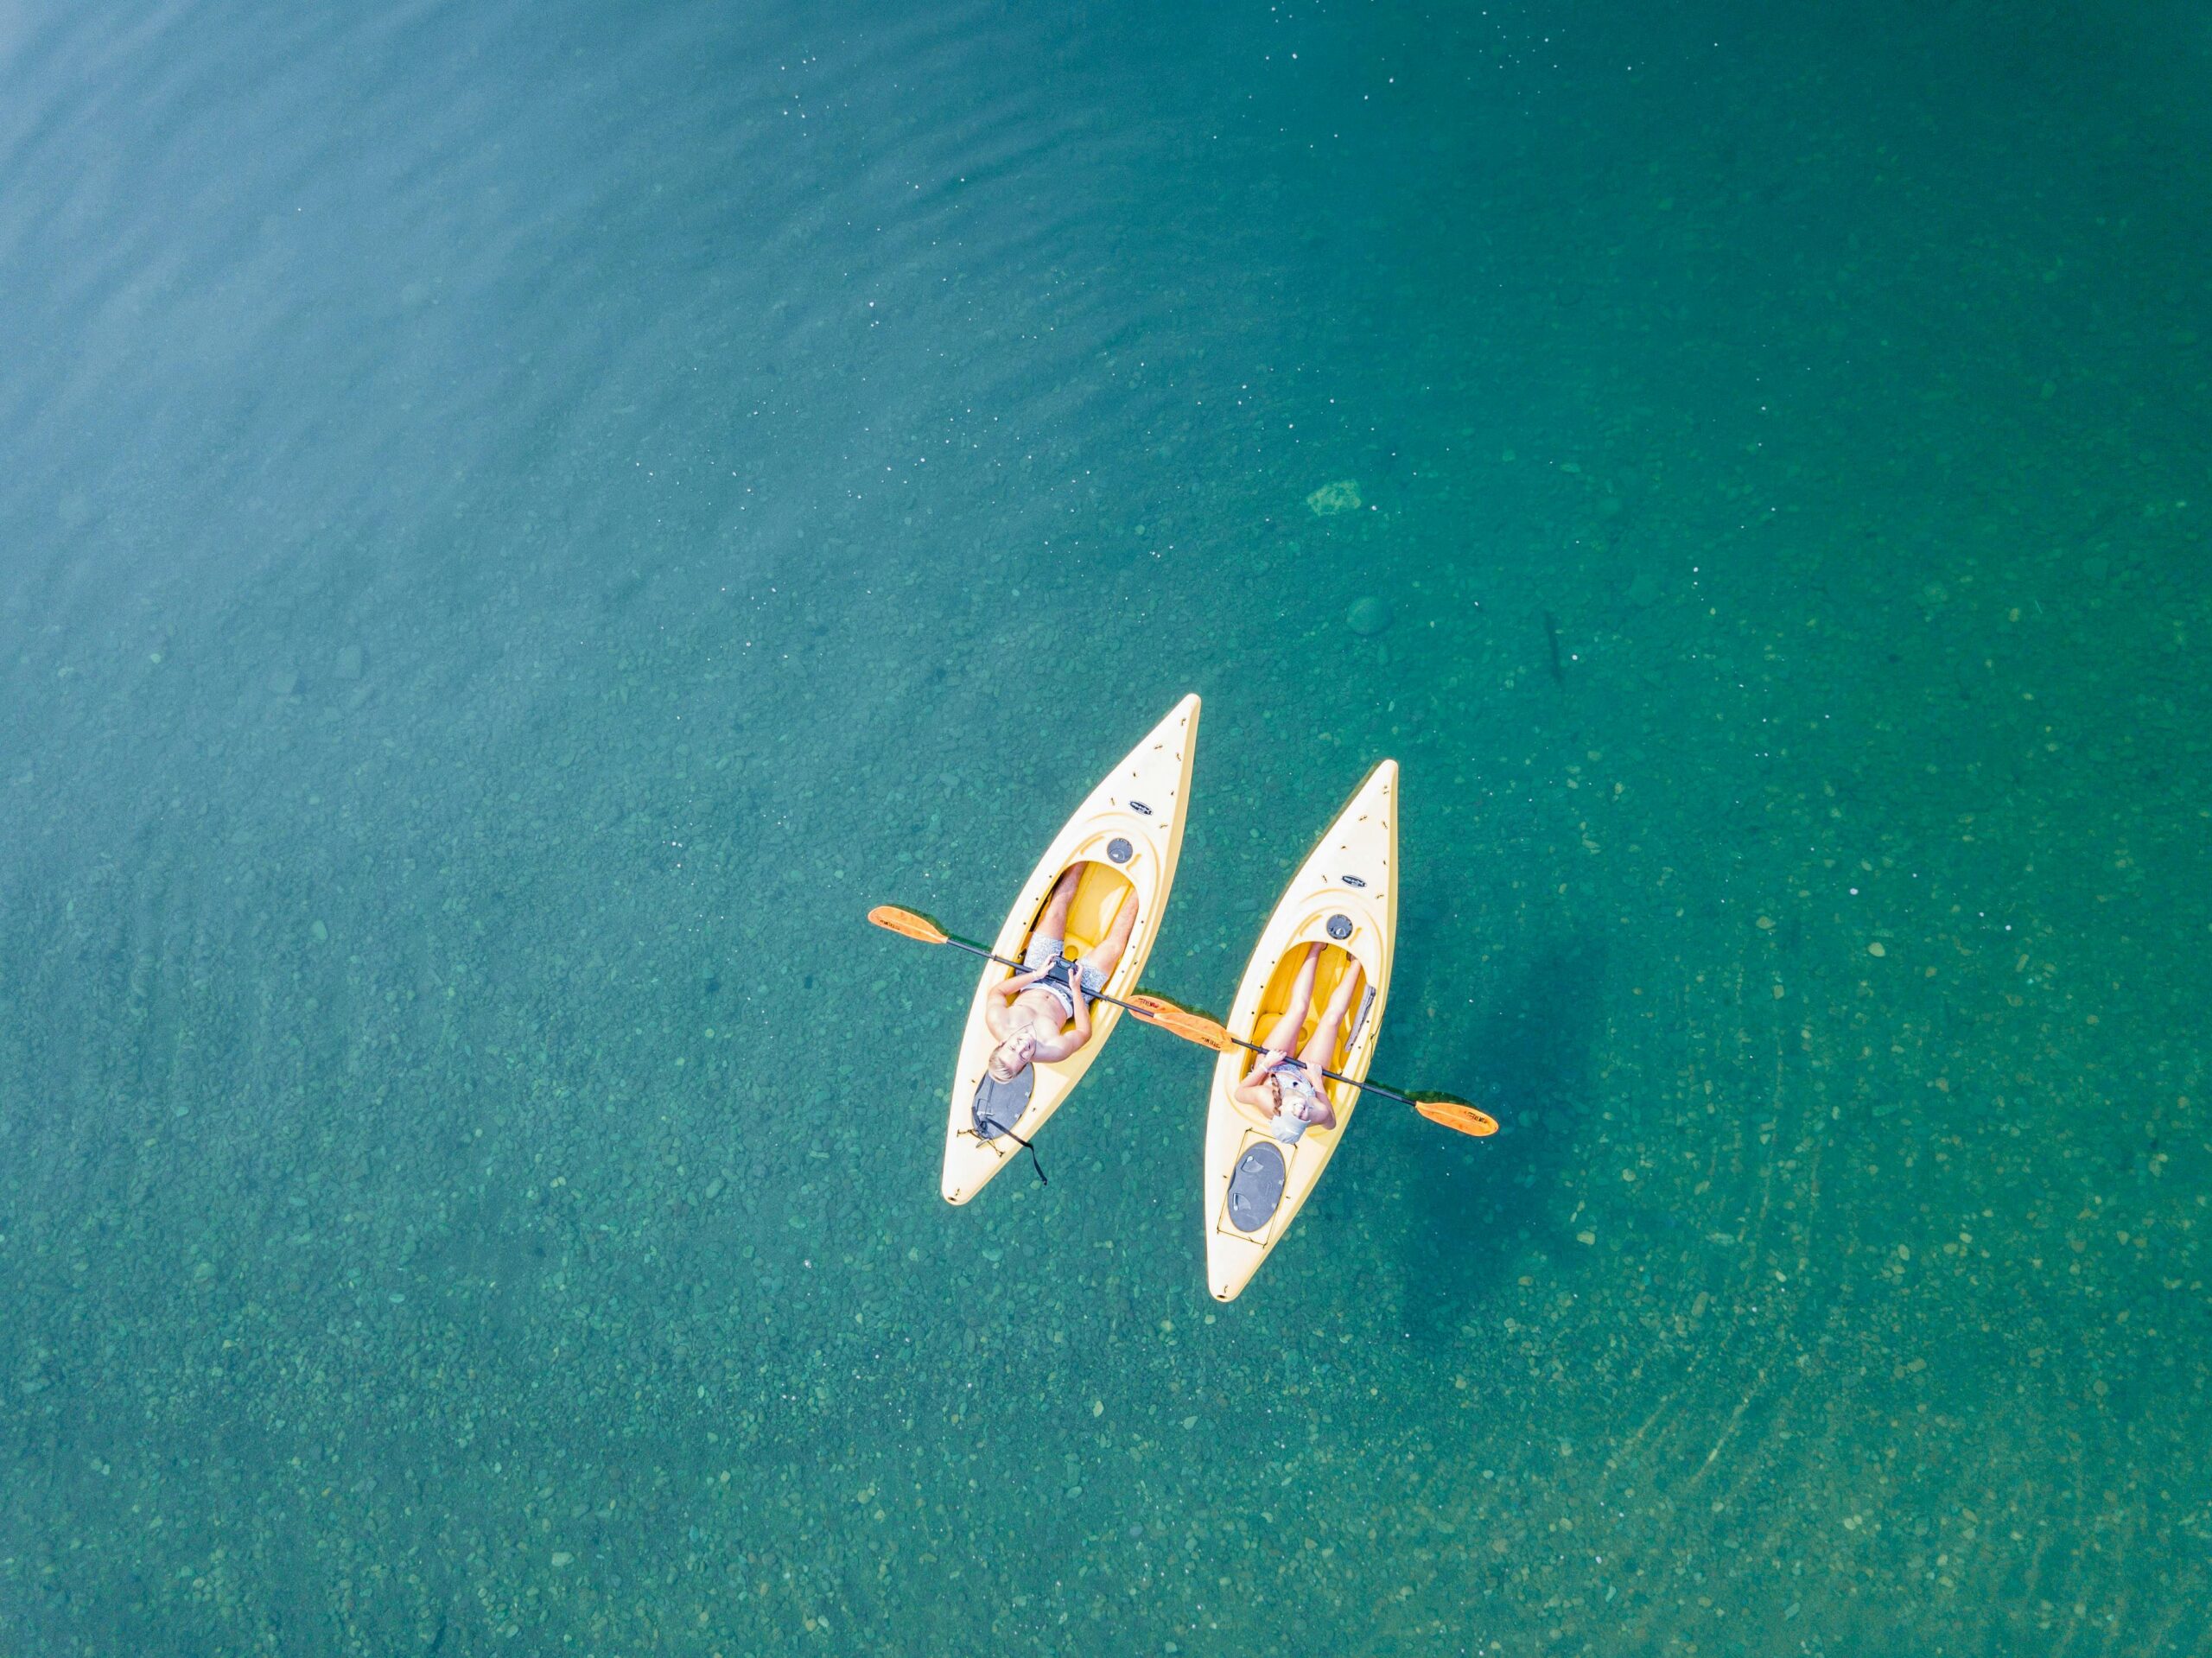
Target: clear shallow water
520,524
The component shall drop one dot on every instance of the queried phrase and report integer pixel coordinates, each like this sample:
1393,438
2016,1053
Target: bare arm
1007,989
1002,995
1060,1046
1253,1090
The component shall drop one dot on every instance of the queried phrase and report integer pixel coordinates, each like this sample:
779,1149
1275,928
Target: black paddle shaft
1018,967
1334,1076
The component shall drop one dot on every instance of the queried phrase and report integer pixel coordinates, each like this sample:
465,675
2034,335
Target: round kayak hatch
1256,1189
1340,926
1119,850
999,1105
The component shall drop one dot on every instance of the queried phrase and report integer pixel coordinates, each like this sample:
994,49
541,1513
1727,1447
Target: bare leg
1106,954
1283,1037
1321,1052
1054,923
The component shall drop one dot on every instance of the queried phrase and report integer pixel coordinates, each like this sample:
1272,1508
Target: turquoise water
519,524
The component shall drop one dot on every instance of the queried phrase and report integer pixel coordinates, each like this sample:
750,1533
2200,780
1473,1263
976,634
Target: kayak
1345,896
1127,835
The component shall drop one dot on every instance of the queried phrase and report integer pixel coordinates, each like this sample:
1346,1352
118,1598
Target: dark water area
519,524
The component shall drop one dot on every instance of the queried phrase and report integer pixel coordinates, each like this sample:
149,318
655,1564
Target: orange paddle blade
907,923
1192,1027
1453,1114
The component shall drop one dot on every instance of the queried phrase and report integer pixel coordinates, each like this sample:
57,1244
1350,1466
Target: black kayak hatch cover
1255,1188
999,1105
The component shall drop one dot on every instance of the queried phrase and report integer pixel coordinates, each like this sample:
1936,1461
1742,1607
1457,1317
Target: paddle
907,924
1446,1109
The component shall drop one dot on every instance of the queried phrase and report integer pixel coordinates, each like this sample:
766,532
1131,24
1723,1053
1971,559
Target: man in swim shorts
1043,1011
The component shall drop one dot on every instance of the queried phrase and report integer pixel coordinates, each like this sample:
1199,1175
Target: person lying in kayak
1030,1013
1286,1089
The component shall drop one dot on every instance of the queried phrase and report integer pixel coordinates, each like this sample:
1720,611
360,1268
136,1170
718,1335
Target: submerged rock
1343,496
1371,615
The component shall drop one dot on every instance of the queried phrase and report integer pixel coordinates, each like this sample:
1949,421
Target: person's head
1011,1057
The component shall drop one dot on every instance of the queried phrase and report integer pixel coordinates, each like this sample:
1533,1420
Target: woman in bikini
1030,1013
1286,1089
